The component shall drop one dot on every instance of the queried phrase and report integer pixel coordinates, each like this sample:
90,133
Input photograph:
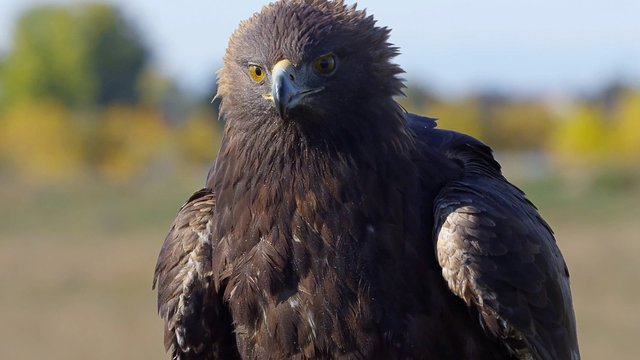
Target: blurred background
106,127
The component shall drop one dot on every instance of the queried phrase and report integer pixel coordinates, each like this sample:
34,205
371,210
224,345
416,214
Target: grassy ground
76,264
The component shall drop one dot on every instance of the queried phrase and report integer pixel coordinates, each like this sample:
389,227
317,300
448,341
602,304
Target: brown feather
499,256
186,298
348,229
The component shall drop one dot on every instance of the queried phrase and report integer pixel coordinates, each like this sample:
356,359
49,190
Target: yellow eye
256,73
325,64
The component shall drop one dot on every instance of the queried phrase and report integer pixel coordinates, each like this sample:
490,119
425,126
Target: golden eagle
334,225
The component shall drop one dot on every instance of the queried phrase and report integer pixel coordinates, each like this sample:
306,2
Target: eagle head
315,63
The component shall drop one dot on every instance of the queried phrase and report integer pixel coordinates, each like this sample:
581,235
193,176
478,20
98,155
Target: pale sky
452,46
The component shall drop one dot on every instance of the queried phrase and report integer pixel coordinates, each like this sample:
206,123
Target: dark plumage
335,225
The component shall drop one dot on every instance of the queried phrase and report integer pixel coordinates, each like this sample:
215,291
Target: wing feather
196,325
500,256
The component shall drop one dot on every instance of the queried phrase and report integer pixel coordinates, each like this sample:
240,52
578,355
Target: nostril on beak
292,77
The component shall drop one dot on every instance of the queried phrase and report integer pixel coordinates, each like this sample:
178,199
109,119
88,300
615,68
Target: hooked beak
288,87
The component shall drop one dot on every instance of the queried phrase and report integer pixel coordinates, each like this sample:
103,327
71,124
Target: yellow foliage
38,142
45,142
521,125
582,135
131,137
200,138
626,131
462,116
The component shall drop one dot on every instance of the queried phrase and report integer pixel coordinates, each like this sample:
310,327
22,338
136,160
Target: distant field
76,265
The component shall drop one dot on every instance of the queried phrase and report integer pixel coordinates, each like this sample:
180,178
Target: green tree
2,91
81,56
48,59
116,55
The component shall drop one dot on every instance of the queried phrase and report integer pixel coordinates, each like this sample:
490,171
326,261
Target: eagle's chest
308,288
317,266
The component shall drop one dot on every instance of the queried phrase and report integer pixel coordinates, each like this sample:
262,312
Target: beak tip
280,110
278,99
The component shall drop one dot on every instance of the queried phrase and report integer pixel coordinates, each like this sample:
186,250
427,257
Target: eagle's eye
256,73
325,64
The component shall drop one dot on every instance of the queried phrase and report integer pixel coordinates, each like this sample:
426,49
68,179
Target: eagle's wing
196,324
500,256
